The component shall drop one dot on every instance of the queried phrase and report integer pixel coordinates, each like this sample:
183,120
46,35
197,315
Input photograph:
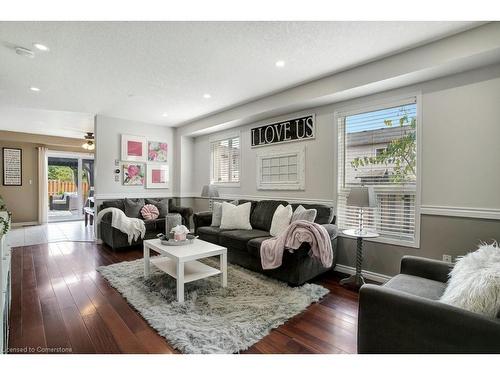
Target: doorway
70,180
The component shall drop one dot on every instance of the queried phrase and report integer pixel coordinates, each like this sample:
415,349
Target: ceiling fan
89,143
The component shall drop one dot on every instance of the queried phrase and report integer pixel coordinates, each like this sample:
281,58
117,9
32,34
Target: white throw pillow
217,213
281,220
474,284
235,217
301,213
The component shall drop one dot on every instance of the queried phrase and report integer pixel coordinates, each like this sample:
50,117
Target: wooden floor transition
60,303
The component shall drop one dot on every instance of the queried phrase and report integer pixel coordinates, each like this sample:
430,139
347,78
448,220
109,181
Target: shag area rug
212,319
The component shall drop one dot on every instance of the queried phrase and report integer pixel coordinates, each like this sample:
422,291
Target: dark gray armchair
405,316
59,202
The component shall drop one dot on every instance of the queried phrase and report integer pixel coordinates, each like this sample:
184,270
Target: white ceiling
140,70
40,121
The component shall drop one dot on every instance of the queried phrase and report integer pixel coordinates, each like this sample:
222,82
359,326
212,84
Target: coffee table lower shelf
182,262
193,270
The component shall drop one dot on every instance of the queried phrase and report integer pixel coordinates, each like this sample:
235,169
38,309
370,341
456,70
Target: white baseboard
378,277
24,224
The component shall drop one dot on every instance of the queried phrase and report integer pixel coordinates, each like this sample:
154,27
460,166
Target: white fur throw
474,283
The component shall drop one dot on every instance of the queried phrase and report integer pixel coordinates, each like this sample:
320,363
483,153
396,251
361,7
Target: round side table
357,279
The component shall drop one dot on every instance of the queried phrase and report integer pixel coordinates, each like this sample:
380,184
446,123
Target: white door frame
79,156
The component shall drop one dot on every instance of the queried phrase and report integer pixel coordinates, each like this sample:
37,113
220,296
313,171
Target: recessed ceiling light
41,47
207,96
280,64
21,51
165,114
36,89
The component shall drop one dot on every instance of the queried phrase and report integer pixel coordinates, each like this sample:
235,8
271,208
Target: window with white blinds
378,148
225,161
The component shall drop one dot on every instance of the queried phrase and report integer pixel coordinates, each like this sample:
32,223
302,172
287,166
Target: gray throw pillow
217,213
133,207
301,213
161,204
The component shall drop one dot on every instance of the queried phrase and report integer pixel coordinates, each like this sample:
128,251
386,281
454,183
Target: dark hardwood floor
60,303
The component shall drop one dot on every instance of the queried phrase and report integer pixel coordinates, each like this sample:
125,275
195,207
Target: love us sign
296,129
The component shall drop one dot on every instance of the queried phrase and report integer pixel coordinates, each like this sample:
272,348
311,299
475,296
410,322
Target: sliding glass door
70,182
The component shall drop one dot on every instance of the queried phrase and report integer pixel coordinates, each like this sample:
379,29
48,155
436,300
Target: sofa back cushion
116,203
252,203
161,204
262,215
324,214
133,207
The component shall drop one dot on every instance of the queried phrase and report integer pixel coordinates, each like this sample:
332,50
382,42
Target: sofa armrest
332,230
107,217
392,321
427,268
202,219
185,212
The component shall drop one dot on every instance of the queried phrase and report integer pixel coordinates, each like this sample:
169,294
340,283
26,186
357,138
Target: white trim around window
374,106
229,136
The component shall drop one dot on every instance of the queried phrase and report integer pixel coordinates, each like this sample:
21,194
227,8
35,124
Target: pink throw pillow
149,212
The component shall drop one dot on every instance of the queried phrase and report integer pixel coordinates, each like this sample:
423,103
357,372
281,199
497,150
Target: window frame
222,137
374,105
298,184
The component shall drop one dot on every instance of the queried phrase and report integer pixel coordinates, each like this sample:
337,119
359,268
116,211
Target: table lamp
209,191
361,197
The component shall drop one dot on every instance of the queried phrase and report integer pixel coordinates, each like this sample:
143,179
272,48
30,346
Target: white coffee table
181,263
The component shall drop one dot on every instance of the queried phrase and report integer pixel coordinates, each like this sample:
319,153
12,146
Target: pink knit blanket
298,232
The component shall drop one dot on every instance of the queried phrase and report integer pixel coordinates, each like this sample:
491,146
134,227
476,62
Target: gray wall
460,166
439,235
319,181
108,131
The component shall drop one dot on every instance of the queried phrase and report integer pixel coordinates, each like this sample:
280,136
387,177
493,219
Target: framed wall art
133,174
157,151
282,169
157,176
12,166
134,148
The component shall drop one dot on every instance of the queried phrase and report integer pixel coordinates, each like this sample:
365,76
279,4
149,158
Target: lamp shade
209,191
361,197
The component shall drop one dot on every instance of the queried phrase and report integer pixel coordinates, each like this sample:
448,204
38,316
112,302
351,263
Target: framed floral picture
134,148
157,151
133,174
157,176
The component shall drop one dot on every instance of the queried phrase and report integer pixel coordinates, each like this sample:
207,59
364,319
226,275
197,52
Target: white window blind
225,161
378,148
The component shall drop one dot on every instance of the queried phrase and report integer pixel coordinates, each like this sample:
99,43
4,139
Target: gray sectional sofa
244,245
117,240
